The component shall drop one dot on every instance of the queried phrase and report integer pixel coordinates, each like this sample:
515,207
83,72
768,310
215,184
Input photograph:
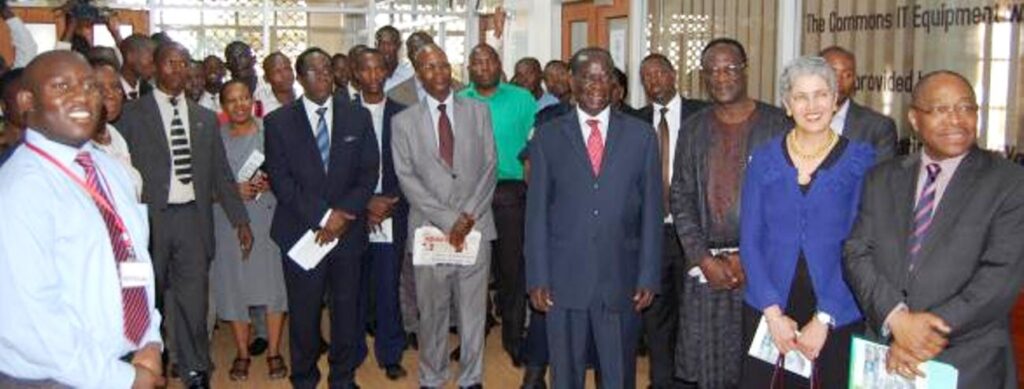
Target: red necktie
595,146
445,137
133,300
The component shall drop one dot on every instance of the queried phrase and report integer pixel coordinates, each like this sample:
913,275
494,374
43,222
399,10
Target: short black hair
98,62
136,42
10,79
220,93
368,51
724,41
339,56
300,61
531,61
164,47
388,29
582,57
837,50
554,63
486,48
103,52
235,46
266,60
659,58
355,50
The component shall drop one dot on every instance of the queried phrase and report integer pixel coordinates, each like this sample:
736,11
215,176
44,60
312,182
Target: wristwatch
825,318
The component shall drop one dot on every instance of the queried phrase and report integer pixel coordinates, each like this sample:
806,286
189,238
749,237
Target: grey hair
806,66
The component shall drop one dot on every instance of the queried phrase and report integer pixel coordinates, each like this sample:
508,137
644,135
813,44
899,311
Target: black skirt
833,363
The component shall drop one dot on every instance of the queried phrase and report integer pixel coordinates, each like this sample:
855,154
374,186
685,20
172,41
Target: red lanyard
96,196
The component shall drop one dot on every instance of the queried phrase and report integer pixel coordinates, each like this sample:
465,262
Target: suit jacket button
595,212
597,186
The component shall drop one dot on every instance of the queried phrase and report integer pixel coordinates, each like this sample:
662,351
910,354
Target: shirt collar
673,105
61,152
312,107
948,165
601,116
498,89
433,103
161,96
843,109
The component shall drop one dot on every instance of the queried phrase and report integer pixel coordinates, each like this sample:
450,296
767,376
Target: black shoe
258,347
324,346
534,378
477,386
411,341
395,372
455,353
196,380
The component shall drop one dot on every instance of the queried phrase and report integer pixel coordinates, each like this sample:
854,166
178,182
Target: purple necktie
923,213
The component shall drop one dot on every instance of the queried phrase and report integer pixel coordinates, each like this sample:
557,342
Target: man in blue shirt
77,304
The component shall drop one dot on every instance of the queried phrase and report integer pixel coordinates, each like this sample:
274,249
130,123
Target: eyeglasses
731,70
959,109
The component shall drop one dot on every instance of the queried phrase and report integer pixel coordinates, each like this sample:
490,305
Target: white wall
533,29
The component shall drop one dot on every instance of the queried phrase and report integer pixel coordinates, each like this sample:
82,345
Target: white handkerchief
306,252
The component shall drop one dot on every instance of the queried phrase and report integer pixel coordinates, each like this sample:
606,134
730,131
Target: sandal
276,367
239,369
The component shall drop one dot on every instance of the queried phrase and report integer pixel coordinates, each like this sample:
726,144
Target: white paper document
431,247
763,348
383,233
867,370
251,165
306,252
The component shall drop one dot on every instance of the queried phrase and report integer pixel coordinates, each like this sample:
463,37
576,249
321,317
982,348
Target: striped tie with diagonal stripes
181,152
923,212
134,304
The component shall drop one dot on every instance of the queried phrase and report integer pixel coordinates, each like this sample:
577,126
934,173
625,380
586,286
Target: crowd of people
148,195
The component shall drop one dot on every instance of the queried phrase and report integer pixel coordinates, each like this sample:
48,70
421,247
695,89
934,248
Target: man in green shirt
512,113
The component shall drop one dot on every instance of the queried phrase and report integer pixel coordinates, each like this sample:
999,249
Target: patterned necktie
445,137
923,213
133,95
133,300
595,146
323,140
666,148
181,152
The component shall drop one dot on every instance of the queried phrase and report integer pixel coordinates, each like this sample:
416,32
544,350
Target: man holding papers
935,256
444,157
322,160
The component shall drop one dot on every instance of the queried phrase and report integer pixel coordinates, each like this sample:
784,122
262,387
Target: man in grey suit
176,146
855,121
445,160
935,256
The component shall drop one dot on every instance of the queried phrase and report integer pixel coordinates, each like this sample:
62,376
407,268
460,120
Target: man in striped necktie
935,257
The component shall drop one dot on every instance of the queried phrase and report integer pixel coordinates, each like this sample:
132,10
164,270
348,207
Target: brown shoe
239,369
276,367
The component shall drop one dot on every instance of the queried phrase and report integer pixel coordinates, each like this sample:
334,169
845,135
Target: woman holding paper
240,283
799,202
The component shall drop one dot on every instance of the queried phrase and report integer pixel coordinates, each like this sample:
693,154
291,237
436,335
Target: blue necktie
323,141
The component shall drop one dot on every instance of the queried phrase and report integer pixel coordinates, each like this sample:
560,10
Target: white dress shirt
118,148
377,114
601,117
210,101
314,118
60,309
839,120
25,47
265,95
129,88
178,193
435,114
403,72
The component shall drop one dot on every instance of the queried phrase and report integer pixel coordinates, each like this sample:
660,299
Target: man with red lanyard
76,281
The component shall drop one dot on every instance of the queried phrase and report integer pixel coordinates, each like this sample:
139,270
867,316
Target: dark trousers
181,263
380,269
661,319
509,207
613,334
339,275
535,348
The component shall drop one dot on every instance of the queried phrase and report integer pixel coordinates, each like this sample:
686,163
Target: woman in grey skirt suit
239,283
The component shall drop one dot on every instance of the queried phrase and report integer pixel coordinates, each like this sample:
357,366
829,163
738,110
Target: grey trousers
437,287
182,263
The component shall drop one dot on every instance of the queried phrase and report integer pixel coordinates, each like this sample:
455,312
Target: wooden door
586,23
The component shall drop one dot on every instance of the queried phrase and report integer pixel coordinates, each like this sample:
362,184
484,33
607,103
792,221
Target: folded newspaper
431,247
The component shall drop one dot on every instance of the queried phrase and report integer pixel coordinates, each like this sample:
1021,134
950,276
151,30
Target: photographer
78,18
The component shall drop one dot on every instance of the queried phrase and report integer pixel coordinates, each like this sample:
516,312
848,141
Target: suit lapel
156,122
305,135
953,201
852,126
611,145
429,136
904,182
573,133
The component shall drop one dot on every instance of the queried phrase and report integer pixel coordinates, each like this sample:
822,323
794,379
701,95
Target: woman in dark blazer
799,202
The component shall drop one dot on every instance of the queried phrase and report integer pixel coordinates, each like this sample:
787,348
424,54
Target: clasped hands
808,341
540,298
378,210
259,183
723,271
462,227
337,224
148,367
916,338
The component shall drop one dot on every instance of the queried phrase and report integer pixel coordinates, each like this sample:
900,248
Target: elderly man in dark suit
935,256
322,159
854,121
593,229
176,146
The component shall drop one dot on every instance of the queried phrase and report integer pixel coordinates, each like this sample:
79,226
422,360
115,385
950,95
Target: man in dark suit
593,229
137,51
935,256
388,216
176,146
666,113
322,159
855,121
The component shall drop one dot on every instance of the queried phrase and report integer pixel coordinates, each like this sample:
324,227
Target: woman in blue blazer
799,202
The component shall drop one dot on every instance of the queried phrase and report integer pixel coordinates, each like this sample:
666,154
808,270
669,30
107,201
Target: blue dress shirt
778,222
60,294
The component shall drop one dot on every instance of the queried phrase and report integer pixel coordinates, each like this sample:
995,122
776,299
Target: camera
86,11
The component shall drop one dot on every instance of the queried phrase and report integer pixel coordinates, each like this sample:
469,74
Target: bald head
60,97
927,84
